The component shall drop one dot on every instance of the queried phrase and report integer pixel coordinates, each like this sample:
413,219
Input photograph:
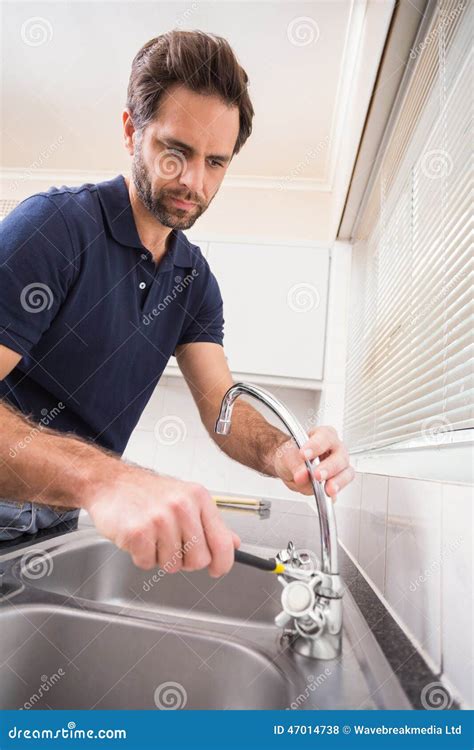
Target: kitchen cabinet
275,304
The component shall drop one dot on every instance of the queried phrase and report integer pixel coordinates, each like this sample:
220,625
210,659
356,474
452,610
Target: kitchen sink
83,628
98,661
97,570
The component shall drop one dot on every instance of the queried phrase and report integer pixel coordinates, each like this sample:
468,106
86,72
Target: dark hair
205,63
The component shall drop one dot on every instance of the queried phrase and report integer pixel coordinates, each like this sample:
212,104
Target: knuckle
200,492
159,522
174,503
185,508
131,535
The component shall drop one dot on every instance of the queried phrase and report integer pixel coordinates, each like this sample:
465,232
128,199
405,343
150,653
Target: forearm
252,441
41,465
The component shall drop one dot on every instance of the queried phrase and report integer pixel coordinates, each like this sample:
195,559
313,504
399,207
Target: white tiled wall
413,540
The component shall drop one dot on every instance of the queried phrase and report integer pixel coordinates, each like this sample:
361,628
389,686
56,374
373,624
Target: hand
333,468
162,521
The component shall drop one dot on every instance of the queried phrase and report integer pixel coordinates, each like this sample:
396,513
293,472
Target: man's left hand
333,469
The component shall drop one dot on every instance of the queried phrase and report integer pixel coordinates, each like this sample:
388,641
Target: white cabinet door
275,300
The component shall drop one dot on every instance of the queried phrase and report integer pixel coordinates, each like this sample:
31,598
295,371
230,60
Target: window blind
410,356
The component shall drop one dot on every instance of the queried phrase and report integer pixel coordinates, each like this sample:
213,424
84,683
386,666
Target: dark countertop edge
26,540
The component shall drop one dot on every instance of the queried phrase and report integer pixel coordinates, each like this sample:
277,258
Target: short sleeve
207,323
36,270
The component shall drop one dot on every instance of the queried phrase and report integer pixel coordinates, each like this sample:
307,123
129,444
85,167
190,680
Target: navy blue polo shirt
93,316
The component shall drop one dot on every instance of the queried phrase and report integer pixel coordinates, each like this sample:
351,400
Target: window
410,362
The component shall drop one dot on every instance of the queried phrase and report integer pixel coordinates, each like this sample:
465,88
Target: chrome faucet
311,599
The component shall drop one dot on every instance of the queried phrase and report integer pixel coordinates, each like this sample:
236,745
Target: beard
159,204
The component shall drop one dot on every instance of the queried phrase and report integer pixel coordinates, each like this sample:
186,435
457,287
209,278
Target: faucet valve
291,556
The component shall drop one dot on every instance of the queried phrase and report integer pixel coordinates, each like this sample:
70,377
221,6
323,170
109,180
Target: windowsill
444,462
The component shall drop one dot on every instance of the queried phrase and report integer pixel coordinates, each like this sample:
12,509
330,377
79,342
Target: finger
168,543
321,440
142,549
334,464
219,540
236,539
301,476
335,484
196,551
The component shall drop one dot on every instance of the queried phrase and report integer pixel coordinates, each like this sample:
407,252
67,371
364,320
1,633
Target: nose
192,176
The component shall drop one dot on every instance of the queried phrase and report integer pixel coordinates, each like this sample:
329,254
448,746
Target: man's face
180,159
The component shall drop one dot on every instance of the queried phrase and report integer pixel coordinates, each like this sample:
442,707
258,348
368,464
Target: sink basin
120,634
96,570
89,660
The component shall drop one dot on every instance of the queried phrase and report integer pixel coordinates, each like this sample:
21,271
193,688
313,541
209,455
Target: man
99,287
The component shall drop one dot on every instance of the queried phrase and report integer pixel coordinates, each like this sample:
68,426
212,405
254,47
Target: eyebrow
174,143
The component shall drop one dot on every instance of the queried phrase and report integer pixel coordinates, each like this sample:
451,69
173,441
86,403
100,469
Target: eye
214,163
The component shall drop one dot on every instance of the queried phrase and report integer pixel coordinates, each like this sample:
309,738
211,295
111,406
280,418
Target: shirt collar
115,201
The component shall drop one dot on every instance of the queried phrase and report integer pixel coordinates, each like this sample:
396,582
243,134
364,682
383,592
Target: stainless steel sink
127,638
96,570
116,663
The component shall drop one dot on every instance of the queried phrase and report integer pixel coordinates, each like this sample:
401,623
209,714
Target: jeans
17,518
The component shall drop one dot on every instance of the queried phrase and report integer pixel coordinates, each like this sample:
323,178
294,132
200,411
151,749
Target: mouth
182,204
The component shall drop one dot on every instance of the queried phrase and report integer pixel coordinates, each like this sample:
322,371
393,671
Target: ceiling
312,68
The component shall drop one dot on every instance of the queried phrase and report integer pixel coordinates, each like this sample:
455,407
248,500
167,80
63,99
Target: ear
128,131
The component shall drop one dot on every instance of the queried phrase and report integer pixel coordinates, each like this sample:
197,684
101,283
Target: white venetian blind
410,361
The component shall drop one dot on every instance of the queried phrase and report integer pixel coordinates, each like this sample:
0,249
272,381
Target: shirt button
142,285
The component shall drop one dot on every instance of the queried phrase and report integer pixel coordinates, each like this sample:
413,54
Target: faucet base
326,647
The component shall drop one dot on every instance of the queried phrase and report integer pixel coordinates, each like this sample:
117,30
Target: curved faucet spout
327,521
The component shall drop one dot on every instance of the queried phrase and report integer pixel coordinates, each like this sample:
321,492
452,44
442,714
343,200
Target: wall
412,539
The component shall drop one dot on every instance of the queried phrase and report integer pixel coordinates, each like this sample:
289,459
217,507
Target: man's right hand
162,521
